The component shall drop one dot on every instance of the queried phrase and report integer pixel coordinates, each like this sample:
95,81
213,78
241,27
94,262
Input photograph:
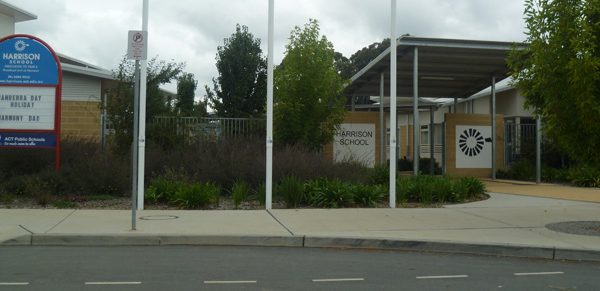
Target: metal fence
519,142
211,127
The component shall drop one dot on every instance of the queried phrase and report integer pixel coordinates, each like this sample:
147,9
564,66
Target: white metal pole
416,121
269,175
393,121
431,141
134,149
381,122
142,132
494,128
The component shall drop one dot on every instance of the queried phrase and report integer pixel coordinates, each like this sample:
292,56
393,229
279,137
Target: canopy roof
447,68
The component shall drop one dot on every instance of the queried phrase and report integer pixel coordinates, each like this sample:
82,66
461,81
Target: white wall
7,25
80,88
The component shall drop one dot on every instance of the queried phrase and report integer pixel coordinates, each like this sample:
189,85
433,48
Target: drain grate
591,228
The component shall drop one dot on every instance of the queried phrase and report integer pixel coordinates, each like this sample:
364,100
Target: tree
343,66
186,88
240,90
309,105
364,56
120,105
559,72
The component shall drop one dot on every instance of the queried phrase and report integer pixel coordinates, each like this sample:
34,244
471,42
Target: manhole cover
159,217
577,227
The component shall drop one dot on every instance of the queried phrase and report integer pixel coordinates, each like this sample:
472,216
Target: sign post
30,94
137,45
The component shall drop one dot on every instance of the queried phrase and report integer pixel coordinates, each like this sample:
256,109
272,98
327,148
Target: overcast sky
190,30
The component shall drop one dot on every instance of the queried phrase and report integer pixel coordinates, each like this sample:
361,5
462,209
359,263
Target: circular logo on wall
20,45
471,142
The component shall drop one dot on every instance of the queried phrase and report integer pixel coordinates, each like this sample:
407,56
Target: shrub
261,193
328,193
63,204
380,175
474,186
460,191
404,189
197,195
430,189
239,192
291,189
585,176
368,195
163,188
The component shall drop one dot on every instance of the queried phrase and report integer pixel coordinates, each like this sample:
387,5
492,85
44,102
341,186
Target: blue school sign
30,94
25,61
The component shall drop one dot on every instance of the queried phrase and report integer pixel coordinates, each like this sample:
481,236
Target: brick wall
80,119
452,120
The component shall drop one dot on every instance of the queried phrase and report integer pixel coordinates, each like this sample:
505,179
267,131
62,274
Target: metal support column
431,142
538,150
493,127
269,138
382,125
393,121
416,122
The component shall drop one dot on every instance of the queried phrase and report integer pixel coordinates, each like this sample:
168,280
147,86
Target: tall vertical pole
493,128
134,148
416,121
141,144
393,117
431,142
382,125
269,175
538,150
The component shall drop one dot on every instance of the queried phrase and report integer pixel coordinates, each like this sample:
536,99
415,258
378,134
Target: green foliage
585,176
328,193
164,188
186,88
308,101
368,195
558,72
291,189
431,189
475,186
240,90
197,195
364,56
380,175
239,192
63,204
120,101
261,193
460,191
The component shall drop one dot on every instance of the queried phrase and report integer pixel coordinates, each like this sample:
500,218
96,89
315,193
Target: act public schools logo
20,45
471,142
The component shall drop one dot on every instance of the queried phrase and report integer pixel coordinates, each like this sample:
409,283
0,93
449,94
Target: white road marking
539,274
113,283
14,283
338,280
443,277
230,282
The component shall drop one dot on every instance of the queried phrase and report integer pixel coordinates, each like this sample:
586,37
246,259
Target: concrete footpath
507,225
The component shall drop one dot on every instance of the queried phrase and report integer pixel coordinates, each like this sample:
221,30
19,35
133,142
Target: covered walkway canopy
433,68
447,68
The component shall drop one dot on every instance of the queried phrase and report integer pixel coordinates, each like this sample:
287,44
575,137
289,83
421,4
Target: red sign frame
57,105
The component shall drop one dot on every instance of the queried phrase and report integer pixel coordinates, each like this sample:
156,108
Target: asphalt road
262,268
